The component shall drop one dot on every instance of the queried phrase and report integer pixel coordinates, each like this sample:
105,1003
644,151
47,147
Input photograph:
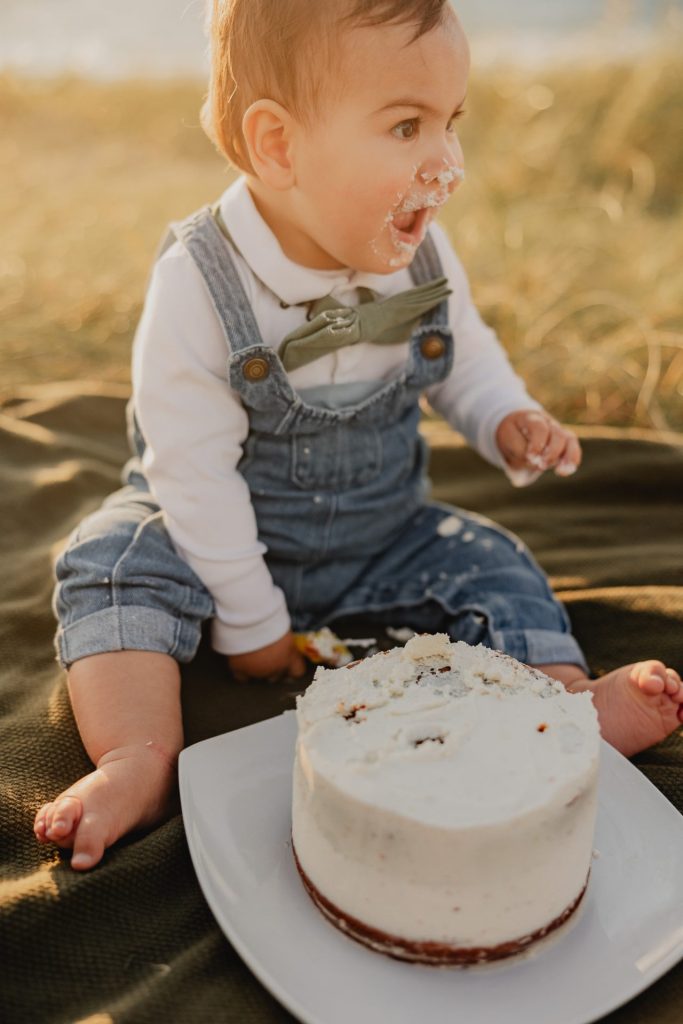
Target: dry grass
570,224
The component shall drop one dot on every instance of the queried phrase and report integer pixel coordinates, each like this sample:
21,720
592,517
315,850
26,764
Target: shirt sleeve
194,427
482,387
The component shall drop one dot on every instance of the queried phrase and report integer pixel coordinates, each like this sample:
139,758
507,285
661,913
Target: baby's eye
407,129
450,127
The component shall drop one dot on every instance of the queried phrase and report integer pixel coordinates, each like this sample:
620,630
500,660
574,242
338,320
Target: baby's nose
446,172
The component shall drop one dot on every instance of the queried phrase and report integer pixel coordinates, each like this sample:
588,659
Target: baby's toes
48,817
40,822
89,843
650,677
673,686
64,816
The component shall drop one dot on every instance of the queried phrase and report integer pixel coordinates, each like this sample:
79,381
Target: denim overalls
340,495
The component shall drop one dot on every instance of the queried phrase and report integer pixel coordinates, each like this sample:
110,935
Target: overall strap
426,265
211,252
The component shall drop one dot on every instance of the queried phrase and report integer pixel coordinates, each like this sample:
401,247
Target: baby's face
385,155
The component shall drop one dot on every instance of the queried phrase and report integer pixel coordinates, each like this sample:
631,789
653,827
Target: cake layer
429,952
445,793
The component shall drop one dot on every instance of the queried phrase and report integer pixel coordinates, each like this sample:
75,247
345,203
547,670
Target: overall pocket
338,458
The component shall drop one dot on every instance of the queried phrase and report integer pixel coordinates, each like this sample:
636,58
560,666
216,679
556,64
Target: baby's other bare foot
637,705
130,788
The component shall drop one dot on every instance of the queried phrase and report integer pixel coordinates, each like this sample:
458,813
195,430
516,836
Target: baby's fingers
512,438
513,445
570,460
562,449
536,428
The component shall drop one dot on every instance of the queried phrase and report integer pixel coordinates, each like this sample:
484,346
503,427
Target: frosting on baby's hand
532,442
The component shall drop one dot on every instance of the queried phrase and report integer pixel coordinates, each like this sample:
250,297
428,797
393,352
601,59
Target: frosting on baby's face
408,222
373,171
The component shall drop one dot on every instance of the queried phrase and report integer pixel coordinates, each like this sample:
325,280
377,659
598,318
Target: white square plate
235,793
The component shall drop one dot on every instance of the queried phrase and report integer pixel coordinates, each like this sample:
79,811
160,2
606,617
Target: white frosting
440,776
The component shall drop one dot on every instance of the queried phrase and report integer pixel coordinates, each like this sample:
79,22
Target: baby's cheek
373,209
391,181
380,197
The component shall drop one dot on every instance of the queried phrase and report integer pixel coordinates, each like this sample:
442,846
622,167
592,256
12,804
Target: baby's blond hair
284,50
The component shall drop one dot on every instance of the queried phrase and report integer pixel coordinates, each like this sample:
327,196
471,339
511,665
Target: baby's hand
534,440
279,660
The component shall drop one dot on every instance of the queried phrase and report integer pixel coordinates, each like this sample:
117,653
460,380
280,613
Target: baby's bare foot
637,705
130,788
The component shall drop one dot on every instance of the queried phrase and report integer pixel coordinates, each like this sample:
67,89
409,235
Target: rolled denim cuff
540,647
127,628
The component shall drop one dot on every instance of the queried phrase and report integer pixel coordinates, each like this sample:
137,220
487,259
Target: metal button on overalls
433,346
256,368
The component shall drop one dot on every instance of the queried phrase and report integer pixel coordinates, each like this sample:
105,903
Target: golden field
570,224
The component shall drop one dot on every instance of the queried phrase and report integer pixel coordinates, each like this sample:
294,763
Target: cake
444,801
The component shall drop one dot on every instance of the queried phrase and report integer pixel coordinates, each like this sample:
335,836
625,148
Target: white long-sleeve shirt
194,424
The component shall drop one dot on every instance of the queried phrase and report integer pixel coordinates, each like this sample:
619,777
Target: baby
278,482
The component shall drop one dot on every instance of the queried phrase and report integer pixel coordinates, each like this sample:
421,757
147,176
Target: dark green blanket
133,941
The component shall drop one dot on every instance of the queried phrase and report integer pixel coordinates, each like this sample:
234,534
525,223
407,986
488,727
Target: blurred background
570,222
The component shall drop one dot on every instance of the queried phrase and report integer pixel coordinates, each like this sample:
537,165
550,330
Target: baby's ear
267,128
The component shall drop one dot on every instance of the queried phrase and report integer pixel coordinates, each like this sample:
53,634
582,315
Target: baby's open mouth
410,225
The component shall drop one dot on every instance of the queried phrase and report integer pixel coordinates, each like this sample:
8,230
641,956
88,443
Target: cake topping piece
429,645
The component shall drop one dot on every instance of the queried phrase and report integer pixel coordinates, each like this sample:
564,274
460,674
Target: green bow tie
330,326
387,321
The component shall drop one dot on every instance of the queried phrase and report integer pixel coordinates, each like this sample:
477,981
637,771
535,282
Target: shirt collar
289,281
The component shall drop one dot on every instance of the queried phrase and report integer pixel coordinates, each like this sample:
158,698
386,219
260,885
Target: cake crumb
428,645
323,647
402,633
449,526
